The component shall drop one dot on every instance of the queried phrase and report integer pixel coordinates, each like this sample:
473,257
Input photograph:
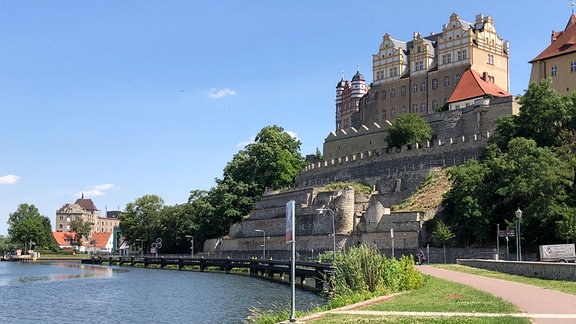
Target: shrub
365,270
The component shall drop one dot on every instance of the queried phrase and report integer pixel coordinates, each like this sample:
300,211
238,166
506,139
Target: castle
457,80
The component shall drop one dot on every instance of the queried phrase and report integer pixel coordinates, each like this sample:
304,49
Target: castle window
422,106
553,70
443,58
445,100
459,55
403,109
393,92
403,91
434,104
447,81
383,114
434,84
393,112
423,86
457,78
415,108
573,66
421,64
464,54
415,87
449,57
419,49
383,94
490,59
395,71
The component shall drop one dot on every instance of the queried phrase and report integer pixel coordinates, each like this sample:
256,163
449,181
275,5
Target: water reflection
77,271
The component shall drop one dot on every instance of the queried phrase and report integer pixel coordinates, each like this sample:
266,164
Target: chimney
485,76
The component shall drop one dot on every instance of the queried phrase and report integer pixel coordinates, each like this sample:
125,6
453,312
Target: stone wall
543,270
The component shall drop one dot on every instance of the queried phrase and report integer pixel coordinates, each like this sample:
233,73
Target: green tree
545,117
81,229
442,233
26,227
141,219
272,161
408,129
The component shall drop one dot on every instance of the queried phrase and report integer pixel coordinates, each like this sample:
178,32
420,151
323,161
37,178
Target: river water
75,293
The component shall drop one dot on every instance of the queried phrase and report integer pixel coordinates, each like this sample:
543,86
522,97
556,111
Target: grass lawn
351,319
568,287
439,295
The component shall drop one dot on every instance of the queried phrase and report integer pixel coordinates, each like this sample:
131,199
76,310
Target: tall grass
365,270
360,274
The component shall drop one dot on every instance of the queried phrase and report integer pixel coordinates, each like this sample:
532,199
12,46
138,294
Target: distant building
421,75
558,61
101,228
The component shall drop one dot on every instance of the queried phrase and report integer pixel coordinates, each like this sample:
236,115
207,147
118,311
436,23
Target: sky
121,99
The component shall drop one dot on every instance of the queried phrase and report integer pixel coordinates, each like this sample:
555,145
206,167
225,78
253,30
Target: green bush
365,270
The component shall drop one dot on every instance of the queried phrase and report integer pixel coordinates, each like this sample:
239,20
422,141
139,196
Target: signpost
291,238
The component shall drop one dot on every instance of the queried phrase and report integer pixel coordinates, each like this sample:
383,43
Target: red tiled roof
101,239
472,85
64,238
563,43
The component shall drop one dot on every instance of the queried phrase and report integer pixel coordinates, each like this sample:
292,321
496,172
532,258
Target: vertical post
263,243
518,214
291,238
498,240
392,240
191,237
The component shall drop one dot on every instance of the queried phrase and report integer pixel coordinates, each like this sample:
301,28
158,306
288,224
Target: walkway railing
268,269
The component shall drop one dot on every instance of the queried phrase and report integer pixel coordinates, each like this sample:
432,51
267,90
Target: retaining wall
543,270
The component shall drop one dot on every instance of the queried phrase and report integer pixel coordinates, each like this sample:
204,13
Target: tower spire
342,75
357,67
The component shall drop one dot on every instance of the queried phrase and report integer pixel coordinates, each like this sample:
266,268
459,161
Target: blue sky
119,99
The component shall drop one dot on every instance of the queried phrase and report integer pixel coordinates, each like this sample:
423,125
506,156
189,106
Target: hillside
428,196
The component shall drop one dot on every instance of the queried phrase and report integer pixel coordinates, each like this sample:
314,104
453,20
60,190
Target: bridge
266,269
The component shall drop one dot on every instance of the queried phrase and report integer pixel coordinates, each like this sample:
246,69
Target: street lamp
518,215
191,237
141,246
264,245
333,231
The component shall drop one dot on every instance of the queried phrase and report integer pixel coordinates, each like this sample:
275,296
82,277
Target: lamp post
518,215
141,246
333,231
191,237
264,245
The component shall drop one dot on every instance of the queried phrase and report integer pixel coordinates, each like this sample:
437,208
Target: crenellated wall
362,156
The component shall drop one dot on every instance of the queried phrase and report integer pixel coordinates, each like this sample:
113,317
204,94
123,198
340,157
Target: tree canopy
272,161
26,227
408,129
530,165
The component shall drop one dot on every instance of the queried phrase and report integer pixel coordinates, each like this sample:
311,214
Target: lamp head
518,213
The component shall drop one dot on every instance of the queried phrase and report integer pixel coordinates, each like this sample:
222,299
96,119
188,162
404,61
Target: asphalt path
542,305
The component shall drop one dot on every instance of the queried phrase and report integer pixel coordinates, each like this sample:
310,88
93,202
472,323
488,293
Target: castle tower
348,97
339,93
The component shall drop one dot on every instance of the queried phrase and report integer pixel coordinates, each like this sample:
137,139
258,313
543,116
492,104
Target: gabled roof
86,204
64,238
563,43
472,85
101,239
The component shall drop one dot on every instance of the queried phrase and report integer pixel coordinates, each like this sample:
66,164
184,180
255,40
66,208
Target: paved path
543,305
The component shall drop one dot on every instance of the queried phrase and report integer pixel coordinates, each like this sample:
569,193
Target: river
63,292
